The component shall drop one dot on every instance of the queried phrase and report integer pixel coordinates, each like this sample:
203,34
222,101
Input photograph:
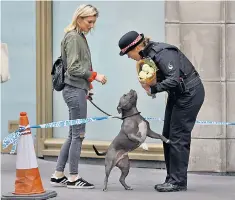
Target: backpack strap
63,53
62,57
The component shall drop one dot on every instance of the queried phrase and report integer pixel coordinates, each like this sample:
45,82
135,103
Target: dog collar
130,115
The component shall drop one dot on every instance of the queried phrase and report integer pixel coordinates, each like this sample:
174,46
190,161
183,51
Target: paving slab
203,187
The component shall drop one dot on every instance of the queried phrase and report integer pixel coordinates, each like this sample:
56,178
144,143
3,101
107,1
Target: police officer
178,77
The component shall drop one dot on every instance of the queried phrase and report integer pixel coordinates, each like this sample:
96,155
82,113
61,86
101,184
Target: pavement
203,187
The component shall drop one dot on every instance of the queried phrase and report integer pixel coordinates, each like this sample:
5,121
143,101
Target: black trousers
180,116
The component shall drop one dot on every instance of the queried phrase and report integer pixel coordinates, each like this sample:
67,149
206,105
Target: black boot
168,187
159,185
162,184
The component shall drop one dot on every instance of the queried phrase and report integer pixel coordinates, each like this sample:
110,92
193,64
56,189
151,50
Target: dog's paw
128,188
144,146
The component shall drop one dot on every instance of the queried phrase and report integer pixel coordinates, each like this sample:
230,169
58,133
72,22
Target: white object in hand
142,75
146,68
149,75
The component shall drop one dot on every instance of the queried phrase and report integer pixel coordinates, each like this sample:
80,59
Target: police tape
13,138
199,122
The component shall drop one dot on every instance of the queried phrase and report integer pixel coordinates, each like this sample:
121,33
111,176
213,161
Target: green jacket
76,54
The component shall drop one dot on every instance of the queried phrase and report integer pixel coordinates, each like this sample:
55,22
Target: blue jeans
75,98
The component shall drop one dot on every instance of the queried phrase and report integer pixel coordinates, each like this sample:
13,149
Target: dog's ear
119,109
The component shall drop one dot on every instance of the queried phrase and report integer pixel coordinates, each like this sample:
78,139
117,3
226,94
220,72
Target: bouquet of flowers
146,70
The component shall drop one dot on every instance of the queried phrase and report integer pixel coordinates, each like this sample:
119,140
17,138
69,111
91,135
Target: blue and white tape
14,137
198,122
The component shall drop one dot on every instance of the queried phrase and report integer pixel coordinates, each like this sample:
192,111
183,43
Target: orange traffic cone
28,181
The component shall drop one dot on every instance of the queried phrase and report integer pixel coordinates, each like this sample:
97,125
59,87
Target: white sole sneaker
79,187
59,182
79,184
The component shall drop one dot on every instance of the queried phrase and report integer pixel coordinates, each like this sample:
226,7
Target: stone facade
205,32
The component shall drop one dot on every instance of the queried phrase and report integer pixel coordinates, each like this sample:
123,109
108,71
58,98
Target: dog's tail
97,152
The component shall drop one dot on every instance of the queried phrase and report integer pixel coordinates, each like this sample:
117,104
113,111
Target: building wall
120,71
207,38
206,34
18,30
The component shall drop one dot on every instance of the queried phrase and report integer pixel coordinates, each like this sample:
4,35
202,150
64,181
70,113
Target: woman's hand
146,87
89,95
101,78
154,82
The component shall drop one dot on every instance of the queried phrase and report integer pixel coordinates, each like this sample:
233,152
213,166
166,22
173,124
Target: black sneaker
171,188
59,182
160,185
80,184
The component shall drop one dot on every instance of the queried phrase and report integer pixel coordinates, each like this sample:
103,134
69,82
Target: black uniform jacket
172,65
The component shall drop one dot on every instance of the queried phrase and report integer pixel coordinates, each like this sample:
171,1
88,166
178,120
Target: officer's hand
154,82
146,87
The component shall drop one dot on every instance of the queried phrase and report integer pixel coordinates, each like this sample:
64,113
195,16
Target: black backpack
59,68
57,72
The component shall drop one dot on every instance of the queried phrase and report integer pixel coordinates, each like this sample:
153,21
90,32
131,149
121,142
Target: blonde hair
82,12
145,42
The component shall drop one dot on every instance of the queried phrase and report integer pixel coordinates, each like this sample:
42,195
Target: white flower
147,72
142,75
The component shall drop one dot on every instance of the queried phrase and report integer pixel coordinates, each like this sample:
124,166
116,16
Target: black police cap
129,41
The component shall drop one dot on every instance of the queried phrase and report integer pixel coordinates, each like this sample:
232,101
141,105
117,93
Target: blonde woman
78,78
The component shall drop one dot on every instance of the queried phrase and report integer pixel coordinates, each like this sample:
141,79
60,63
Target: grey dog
134,130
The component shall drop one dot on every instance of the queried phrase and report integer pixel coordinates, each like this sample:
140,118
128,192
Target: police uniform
178,77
